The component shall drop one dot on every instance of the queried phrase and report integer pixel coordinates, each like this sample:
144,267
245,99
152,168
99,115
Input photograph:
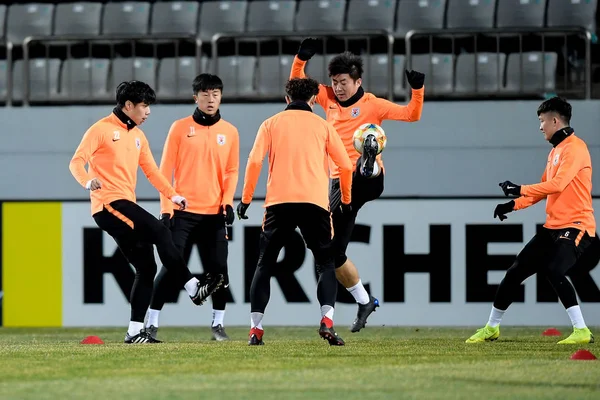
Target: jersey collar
125,120
561,135
298,105
204,119
357,96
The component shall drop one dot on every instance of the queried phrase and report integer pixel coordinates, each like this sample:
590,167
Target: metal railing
258,37
499,34
110,40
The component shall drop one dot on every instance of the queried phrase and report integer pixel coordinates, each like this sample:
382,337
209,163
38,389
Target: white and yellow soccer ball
369,129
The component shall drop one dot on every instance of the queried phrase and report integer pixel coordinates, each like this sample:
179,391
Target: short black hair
346,63
301,89
206,82
136,92
558,105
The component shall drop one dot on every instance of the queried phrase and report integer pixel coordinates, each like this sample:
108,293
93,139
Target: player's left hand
415,79
180,201
227,211
307,49
346,209
502,209
510,189
241,210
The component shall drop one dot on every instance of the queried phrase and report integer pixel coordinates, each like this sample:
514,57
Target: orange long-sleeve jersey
567,186
113,153
299,144
368,109
203,162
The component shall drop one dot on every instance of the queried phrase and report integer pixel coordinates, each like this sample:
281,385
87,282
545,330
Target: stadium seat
273,73
175,17
2,20
128,18
371,15
572,13
221,16
271,15
470,14
439,70
520,13
375,77
82,18
75,79
3,80
238,74
25,20
489,74
178,83
316,68
317,15
419,14
399,76
539,72
43,79
140,68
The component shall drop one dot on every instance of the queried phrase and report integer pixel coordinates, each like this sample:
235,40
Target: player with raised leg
347,107
570,224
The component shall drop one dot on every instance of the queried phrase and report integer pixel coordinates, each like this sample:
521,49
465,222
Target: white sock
495,317
327,311
256,320
191,286
218,316
134,328
576,317
359,293
152,318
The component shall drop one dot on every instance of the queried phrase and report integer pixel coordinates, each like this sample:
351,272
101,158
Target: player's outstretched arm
513,190
413,110
337,152
89,143
253,167
306,51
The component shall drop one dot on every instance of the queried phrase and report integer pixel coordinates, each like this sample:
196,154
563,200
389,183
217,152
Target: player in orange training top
296,197
201,156
113,148
570,225
347,106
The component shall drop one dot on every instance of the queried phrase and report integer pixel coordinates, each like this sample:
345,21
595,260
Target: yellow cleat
579,336
485,334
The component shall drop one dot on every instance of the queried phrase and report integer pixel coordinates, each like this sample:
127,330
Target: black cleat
256,337
330,335
204,290
369,155
364,310
153,331
218,333
142,337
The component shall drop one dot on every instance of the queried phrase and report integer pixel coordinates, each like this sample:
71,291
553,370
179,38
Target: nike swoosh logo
510,187
114,140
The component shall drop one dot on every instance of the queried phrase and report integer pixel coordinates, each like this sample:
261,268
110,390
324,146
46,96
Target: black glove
229,215
166,220
510,189
307,49
502,209
415,79
241,210
346,209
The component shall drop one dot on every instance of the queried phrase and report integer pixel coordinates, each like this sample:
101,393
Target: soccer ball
369,129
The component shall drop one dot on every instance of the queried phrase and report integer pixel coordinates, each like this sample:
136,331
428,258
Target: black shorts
363,191
208,232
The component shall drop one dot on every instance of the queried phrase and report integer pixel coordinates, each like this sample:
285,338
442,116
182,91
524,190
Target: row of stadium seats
53,79
203,19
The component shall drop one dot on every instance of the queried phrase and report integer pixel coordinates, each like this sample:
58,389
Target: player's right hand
502,209
241,210
308,48
346,209
180,201
93,184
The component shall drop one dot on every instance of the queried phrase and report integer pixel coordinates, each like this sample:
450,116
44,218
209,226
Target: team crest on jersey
355,111
220,140
116,136
138,143
555,161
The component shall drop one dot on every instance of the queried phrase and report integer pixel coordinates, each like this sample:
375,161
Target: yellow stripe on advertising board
32,264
